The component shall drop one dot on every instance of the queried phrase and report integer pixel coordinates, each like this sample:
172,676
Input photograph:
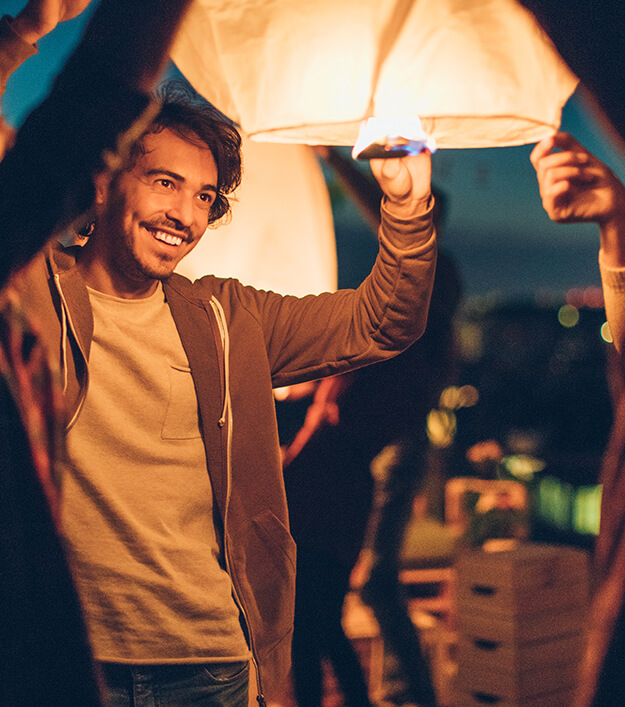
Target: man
576,187
173,502
180,571
99,96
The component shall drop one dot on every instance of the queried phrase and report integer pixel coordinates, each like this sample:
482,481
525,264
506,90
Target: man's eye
206,197
167,183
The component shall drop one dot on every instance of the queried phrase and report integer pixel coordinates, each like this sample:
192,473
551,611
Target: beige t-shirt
137,506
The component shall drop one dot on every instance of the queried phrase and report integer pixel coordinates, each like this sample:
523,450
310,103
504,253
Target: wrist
613,242
612,229
27,30
409,208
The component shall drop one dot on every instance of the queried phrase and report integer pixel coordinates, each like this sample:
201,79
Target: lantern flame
394,136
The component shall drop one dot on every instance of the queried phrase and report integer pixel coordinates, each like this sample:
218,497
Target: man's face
150,217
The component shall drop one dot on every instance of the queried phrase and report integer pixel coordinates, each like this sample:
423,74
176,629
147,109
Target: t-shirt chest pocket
181,417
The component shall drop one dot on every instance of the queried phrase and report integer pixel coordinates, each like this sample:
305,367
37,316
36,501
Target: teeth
167,238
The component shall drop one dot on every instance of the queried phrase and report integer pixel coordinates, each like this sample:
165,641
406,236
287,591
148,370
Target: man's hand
39,17
574,185
406,183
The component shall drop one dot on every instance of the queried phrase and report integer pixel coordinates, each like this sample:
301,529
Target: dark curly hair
193,119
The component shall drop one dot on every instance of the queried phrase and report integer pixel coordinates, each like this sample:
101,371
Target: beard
137,268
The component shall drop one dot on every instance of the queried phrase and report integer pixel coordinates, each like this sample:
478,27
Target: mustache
171,224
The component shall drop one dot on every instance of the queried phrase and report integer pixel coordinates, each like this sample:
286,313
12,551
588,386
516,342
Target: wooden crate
529,579
561,698
520,619
476,653
516,685
527,629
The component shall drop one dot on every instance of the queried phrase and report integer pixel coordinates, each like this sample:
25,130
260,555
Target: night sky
496,229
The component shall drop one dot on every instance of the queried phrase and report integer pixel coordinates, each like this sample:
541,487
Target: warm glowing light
568,315
469,396
257,246
449,398
478,73
454,398
523,466
391,137
441,427
606,334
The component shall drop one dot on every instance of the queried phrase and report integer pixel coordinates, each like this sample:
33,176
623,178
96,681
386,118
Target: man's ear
101,183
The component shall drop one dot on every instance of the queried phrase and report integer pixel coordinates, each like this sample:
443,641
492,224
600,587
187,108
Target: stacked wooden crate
521,615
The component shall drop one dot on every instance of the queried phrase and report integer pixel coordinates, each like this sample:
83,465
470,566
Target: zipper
226,420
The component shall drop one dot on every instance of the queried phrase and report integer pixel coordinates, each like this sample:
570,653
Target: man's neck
101,277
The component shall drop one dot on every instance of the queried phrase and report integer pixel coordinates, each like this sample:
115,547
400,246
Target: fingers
541,150
564,141
571,152
558,150
570,166
394,176
583,175
405,182
387,169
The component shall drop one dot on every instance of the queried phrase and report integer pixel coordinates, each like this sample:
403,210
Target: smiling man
174,510
153,214
161,209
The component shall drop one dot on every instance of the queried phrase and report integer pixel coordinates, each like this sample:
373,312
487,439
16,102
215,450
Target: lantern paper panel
478,73
281,235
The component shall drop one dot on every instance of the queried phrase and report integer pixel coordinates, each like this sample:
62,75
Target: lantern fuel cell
383,138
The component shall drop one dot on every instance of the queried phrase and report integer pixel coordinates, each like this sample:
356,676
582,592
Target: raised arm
39,17
331,333
18,38
576,187
405,183
100,102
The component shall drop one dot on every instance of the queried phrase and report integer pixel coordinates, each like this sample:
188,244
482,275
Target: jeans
184,685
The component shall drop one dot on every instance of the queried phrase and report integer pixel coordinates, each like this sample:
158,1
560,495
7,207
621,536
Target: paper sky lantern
281,236
478,73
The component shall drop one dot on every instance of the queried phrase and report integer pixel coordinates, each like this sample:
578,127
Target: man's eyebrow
177,177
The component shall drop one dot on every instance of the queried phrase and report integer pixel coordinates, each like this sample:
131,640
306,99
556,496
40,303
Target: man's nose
180,209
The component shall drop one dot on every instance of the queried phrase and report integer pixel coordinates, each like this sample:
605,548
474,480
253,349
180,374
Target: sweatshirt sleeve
326,334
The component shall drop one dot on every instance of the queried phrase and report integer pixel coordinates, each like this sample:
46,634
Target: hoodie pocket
263,556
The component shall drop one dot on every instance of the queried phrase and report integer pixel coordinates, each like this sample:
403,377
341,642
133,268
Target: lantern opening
382,138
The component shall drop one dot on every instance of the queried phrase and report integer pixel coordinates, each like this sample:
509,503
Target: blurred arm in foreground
99,104
18,39
576,187
45,182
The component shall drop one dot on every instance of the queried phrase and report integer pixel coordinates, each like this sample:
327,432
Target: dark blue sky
496,228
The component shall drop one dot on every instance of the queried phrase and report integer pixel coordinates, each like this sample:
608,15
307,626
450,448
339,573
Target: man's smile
167,237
